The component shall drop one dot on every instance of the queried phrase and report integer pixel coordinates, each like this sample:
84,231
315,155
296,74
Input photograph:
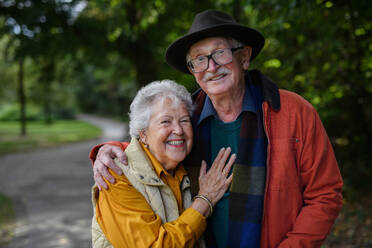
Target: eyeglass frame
210,56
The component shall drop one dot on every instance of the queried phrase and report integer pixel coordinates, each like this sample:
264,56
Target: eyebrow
218,43
169,116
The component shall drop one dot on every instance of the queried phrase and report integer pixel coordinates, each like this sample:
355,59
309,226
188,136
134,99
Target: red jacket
303,186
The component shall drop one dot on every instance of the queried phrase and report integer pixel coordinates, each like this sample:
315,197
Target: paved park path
51,191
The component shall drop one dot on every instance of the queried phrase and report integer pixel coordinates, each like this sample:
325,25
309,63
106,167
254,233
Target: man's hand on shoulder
104,160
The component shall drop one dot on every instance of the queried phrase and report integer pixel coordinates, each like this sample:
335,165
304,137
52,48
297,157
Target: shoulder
292,101
121,181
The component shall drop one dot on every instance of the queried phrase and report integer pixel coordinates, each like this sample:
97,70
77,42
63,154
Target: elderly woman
150,205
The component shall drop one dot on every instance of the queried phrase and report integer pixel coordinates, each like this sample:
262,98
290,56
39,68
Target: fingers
229,180
103,166
109,162
98,178
225,155
220,161
228,166
105,156
104,160
116,152
203,169
100,183
220,154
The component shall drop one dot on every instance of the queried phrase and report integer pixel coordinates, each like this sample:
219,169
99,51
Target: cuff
195,220
94,151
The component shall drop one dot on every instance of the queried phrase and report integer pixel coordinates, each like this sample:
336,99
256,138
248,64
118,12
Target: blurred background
60,58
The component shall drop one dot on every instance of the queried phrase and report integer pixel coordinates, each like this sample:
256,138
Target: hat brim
175,55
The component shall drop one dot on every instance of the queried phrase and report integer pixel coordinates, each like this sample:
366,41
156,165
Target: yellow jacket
142,209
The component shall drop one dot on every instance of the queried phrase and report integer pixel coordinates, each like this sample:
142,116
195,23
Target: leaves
103,51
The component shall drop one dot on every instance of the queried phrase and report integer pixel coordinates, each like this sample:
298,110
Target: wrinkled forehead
208,43
167,106
166,100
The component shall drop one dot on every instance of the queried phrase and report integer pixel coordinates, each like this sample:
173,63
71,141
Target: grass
40,134
6,219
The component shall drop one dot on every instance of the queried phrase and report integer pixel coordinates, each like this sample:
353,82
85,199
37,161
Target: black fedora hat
207,24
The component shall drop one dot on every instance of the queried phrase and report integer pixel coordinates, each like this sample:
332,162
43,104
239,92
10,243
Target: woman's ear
142,138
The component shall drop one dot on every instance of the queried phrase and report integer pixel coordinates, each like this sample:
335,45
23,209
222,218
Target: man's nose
212,66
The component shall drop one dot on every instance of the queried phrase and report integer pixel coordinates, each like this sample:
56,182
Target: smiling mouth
217,77
176,142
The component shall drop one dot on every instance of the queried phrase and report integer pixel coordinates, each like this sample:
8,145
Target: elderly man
286,189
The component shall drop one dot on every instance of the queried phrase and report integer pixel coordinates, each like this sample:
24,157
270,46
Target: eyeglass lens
220,57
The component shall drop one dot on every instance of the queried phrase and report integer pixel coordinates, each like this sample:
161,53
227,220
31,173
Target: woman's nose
177,129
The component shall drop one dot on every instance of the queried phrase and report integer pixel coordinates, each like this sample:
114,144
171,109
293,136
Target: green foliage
10,112
7,218
95,60
107,95
321,49
43,135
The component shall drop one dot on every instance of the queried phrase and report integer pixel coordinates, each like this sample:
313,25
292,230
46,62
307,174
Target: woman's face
169,135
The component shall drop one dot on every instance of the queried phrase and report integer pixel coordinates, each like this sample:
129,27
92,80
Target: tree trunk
138,50
143,61
237,10
46,79
22,98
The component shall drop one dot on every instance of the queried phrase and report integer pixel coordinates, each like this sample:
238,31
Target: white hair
140,108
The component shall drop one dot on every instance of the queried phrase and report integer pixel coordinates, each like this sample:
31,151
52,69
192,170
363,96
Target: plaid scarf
248,186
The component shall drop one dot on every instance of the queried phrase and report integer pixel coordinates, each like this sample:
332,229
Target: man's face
220,79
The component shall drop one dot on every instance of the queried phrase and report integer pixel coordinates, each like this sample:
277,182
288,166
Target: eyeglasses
220,57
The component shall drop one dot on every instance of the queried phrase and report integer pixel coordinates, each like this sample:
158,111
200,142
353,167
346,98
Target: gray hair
140,108
232,42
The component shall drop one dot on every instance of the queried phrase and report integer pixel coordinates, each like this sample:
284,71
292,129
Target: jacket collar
270,90
141,165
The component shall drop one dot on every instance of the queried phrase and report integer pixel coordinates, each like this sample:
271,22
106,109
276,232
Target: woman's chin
174,161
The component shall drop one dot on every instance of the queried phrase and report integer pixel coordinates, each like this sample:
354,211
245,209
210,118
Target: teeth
216,78
178,142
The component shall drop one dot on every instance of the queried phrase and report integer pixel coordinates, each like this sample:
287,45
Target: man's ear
191,72
246,57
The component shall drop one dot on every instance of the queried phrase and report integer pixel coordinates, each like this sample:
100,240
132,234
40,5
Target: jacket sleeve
321,184
94,151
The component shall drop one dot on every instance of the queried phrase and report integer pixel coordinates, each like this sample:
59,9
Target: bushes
11,112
